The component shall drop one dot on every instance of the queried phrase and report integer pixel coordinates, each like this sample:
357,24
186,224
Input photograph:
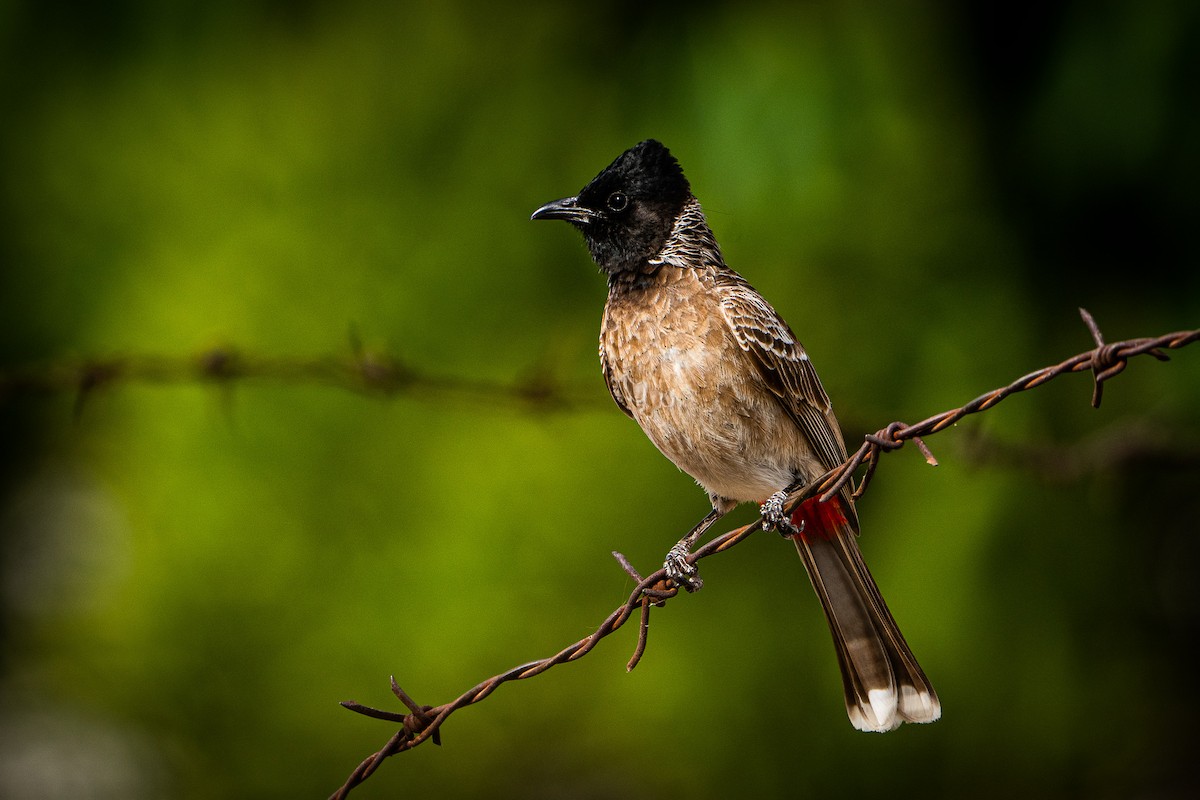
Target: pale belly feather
699,399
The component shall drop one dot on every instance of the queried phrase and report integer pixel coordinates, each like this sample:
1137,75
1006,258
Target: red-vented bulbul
720,384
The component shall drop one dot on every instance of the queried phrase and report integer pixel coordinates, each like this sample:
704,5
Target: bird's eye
617,201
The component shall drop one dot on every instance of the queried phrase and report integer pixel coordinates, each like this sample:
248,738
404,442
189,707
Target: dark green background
192,577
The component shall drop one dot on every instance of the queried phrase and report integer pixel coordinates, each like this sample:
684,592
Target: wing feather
613,389
783,365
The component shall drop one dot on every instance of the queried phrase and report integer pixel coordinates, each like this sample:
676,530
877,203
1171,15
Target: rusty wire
423,723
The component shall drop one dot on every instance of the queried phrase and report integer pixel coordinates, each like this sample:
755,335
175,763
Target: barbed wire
360,371
1121,445
422,723
377,373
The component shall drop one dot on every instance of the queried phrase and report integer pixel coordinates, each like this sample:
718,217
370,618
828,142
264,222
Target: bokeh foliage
193,576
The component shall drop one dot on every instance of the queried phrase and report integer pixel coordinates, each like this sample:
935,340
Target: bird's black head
627,211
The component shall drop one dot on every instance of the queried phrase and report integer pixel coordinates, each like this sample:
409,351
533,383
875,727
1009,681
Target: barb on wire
424,722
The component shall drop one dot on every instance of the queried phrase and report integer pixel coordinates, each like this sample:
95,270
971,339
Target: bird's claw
679,570
774,519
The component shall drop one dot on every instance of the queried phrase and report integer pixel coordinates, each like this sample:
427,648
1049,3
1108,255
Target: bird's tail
884,684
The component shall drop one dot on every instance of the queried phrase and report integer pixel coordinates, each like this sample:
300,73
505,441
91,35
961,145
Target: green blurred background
193,576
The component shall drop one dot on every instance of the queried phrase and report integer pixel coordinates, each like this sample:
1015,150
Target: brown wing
783,364
613,389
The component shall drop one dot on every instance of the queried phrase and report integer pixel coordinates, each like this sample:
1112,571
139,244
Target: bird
723,388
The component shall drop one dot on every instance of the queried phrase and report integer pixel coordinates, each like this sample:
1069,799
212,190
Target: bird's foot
774,518
679,570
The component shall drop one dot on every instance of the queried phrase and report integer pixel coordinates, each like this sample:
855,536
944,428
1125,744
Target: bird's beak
566,209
